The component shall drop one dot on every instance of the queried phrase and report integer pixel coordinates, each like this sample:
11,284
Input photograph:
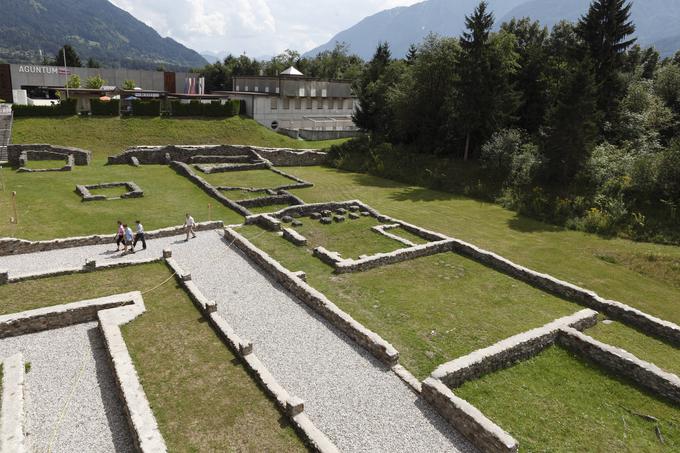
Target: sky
257,27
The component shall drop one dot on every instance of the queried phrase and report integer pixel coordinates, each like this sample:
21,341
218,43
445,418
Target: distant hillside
656,20
95,28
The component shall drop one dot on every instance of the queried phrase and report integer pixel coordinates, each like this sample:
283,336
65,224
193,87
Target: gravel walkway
20,265
72,403
357,402
354,399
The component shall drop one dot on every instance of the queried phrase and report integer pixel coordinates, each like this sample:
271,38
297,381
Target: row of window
321,104
301,92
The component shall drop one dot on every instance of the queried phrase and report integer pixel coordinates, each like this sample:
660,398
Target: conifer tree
606,32
412,54
369,115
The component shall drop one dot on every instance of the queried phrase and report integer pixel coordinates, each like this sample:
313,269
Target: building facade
41,82
297,105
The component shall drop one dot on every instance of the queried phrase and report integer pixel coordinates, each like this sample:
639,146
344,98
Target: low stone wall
225,168
369,340
507,352
398,256
55,317
328,257
241,159
293,407
294,237
80,156
281,157
12,246
622,363
628,315
270,200
133,190
12,416
384,231
473,424
143,425
185,170
25,158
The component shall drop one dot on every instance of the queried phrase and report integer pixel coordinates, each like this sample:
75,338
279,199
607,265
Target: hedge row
104,108
64,108
215,108
146,108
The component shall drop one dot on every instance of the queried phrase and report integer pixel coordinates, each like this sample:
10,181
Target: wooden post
14,219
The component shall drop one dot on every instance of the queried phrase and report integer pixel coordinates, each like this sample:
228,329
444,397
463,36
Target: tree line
577,125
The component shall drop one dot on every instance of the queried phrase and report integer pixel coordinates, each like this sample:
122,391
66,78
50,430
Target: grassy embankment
202,397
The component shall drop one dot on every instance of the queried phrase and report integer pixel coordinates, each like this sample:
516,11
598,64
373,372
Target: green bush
212,109
66,107
104,108
146,108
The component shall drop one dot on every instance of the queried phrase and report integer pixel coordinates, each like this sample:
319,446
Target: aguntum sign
39,69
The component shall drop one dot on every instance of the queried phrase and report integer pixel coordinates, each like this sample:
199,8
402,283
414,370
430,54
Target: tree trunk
467,147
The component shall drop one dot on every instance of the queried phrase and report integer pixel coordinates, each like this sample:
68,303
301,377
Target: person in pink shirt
120,236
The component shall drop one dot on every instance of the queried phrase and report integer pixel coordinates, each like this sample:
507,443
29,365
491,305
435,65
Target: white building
297,105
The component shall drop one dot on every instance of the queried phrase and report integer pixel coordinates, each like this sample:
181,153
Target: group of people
128,239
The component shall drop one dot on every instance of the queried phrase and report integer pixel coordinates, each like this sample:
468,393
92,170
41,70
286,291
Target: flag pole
65,71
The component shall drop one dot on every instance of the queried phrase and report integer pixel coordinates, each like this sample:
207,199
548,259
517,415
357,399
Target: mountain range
657,22
97,29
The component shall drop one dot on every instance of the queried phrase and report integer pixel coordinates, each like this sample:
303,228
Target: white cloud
257,27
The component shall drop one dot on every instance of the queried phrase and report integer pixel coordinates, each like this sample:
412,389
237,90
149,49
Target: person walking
128,239
189,225
139,236
120,236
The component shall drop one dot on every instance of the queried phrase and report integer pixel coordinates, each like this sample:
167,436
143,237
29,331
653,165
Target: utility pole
65,70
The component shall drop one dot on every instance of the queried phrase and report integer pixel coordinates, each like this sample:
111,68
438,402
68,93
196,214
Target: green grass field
201,396
48,206
42,164
637,343
556,402
108,136
431,309
257,179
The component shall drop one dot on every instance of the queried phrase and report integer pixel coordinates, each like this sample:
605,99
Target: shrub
104,108
146,108
73,81
212,109
64,108
129,85
95,82
498,152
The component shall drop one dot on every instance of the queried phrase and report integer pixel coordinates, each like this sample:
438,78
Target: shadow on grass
527,225
417,194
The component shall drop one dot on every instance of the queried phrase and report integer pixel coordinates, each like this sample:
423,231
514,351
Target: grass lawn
431,309
48,206
109,192
259,179
558,402
108,136
646,276
269,208
637,343
404,234
41,164
351,238
202,397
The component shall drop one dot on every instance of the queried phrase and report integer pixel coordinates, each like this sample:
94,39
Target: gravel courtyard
350,396
71,399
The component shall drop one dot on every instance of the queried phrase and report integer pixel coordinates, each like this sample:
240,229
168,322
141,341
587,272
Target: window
298,103
320,103
246,88
237,87
266,89
313,93
324,93
286,103
301,92
310,104
274,103
348,104
277,90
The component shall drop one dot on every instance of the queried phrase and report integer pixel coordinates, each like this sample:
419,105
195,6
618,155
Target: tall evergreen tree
571,128
72,58
485,98
412,54
371,92
606,34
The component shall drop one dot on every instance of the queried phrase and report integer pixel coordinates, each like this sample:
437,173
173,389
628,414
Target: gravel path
72,403
20,265
357,402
